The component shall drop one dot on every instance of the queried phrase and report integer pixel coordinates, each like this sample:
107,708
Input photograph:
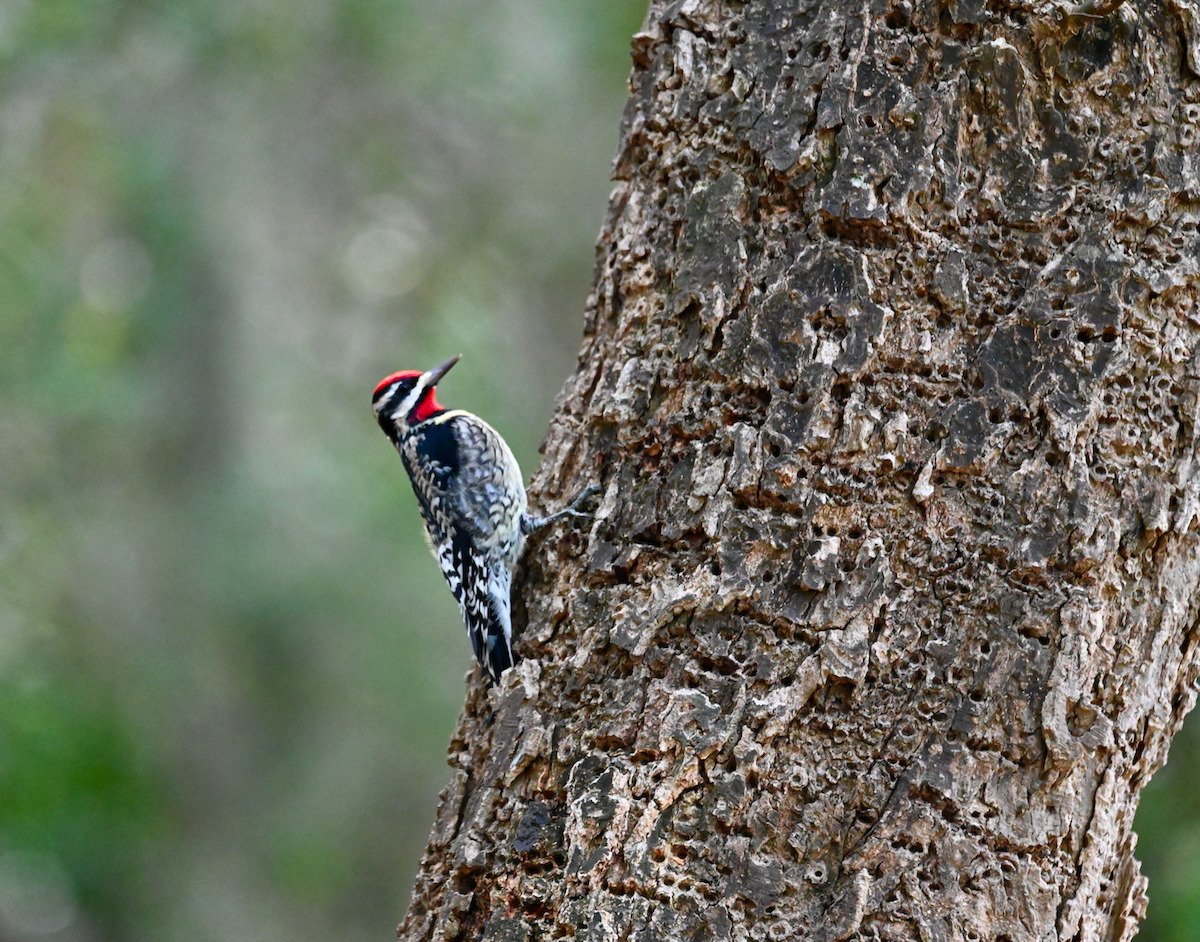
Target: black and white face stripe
396,402
404,403
386,395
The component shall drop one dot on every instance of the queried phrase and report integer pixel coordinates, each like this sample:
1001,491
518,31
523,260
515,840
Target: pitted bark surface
888,610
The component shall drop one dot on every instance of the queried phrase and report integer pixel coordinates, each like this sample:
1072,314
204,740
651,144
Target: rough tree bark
888,611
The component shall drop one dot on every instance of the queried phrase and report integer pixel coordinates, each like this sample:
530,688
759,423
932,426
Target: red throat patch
428,405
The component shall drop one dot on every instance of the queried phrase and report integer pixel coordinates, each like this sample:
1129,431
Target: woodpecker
472,499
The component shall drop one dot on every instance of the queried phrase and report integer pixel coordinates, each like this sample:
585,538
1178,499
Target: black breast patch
439,446
431,450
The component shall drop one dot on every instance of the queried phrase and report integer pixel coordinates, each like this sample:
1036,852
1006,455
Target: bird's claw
533,524
590,491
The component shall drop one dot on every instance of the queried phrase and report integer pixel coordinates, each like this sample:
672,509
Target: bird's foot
530,524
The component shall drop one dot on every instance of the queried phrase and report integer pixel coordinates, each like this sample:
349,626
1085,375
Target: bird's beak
435,375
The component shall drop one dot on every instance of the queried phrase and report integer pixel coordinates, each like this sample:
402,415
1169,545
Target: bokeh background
228,667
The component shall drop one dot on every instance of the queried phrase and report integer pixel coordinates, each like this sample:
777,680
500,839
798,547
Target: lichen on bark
889,379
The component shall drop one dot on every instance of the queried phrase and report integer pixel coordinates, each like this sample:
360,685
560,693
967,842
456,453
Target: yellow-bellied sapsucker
472,499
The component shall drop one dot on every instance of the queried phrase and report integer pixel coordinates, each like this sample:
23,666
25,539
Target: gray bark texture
890,381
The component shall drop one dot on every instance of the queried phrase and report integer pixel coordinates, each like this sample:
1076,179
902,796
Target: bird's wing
488,493
462,474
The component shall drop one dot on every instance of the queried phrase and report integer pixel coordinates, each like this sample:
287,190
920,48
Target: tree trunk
888,610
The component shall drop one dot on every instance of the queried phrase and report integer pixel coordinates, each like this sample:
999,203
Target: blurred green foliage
1168,828
228,668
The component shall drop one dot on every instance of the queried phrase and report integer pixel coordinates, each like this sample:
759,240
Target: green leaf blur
1168,828
228,666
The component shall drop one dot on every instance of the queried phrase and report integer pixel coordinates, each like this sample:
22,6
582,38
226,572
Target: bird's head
407,398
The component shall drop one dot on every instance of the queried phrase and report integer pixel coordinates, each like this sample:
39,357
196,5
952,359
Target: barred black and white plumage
469,489
472,499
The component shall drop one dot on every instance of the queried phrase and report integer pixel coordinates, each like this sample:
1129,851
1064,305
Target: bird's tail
489,627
